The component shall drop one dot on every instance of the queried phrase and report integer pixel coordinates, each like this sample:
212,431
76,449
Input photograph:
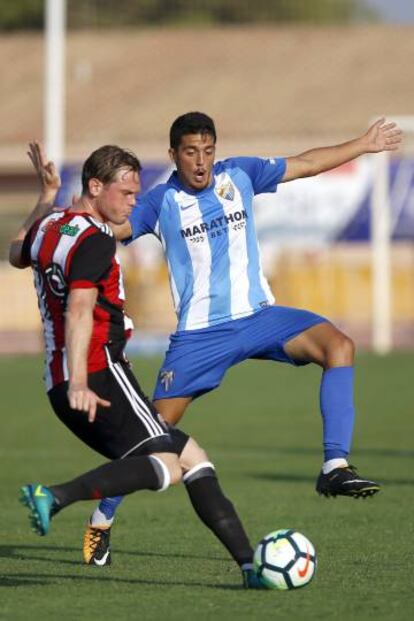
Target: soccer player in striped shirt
226,312
89,382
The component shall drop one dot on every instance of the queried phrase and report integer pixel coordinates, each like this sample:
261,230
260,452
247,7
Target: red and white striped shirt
73,250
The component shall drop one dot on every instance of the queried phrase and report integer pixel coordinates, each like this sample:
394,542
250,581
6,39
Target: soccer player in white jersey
226,312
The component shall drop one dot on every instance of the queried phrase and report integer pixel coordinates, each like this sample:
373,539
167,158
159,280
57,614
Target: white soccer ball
285,559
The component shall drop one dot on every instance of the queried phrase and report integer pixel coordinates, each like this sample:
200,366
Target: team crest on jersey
226,191
51,224
166,379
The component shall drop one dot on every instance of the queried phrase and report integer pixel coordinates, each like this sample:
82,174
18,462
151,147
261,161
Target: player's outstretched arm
78,332
381,136
49,185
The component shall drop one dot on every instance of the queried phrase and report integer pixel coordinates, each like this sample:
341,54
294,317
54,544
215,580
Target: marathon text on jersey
215,223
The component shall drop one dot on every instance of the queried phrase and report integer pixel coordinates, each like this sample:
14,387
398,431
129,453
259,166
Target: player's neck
85,205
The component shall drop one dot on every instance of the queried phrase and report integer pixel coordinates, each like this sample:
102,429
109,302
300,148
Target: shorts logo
226,191
166,379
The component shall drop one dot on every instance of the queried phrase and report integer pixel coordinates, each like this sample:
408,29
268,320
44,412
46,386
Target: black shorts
130,426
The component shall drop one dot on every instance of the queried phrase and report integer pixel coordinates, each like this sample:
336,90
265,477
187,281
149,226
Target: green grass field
262,430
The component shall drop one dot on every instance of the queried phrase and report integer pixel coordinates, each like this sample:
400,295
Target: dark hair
105,162
191,123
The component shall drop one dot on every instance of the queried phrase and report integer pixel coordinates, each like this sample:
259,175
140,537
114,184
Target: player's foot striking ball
285,559
41,504
251,580
345,482
96,545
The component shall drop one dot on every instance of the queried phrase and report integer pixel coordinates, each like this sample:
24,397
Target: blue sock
108,506
337,409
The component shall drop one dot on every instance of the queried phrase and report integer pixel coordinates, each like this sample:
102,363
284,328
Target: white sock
99,519
331,464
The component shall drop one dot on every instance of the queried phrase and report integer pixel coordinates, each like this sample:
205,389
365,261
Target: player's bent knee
192,455
341,351
168,469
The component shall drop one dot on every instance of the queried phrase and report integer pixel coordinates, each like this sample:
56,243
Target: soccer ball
285,559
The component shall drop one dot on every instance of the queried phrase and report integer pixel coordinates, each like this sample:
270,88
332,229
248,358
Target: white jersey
210,242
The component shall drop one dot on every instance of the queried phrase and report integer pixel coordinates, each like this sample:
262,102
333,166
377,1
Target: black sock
218,513
117,478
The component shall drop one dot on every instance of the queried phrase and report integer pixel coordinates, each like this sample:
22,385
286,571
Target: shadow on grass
26,580
29,552
19,581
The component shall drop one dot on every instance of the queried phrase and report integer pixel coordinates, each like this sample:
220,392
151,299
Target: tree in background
28,14
21,14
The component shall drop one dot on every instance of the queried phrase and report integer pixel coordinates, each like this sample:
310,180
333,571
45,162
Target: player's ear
173,155
94,186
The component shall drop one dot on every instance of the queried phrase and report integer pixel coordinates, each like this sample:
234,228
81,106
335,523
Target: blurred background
278,77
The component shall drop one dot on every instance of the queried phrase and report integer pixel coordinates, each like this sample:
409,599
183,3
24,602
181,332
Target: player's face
116,199
194,159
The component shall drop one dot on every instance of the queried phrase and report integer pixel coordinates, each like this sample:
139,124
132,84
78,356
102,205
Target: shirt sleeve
145,214
27,242
265,174
26,247
91,261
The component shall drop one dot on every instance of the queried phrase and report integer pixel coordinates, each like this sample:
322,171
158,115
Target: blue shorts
197,360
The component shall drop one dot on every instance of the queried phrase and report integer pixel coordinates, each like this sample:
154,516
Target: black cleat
345,481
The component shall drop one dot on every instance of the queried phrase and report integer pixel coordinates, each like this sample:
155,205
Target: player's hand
82,398
383,136
46,171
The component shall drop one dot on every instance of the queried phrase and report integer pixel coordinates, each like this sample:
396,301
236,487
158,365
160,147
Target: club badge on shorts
166,379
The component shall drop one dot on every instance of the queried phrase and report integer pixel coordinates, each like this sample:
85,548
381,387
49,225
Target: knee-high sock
217,512
337,409
122,476
211,506
104,514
